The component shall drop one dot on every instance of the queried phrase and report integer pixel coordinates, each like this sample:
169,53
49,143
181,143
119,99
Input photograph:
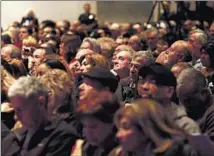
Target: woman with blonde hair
59,85
93,60
146,129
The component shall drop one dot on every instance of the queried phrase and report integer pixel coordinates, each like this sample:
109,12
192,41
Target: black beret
104,76
163,76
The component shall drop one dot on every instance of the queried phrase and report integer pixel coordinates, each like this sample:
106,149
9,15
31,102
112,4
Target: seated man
38,136
158,82
194,94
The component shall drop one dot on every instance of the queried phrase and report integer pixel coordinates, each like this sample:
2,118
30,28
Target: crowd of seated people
78,88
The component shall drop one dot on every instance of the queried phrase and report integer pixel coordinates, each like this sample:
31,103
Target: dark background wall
123,11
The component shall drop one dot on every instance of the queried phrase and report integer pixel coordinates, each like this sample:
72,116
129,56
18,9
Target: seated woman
59,85
96,115
145,128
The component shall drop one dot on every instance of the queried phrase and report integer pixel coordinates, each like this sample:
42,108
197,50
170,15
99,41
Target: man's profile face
38,57
172,55
135,67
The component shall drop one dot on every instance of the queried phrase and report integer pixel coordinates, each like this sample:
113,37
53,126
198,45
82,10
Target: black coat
54,139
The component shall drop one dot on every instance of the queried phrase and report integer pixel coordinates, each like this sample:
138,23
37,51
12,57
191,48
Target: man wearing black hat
158,82
97,79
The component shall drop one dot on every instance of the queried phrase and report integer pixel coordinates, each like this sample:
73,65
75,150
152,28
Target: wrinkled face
23,33
38,57
26,111
205,59
172,55
95,131
42,69
147,88
129,136
86,88
135,67
121,62
85,66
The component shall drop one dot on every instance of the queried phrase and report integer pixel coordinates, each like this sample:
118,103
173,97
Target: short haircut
27,87
193,78
144,55
201,36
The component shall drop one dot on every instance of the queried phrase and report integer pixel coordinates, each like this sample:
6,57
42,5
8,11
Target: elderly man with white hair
38,135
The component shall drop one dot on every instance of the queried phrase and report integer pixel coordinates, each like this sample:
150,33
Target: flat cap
104,76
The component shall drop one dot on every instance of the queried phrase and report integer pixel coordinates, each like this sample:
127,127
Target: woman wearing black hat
96,115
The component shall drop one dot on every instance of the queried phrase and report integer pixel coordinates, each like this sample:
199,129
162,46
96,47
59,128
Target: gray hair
95,44
27,87
144,55
193,78
13,51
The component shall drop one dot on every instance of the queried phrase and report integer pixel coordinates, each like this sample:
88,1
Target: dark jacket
56,138
85,149
206,123
179,148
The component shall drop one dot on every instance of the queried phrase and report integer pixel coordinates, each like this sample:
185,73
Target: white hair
27,87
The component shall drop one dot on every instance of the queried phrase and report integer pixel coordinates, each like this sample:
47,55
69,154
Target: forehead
89,120
23,29
123,54
39,52
137,61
